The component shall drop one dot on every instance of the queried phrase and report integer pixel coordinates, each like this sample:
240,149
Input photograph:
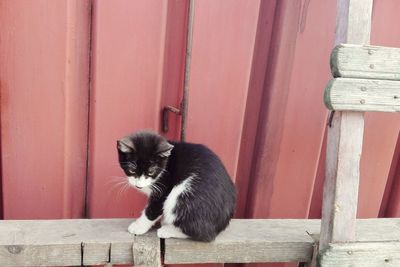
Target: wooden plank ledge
347,94
365,61
270,240
360,254
251,240
67,242
103,241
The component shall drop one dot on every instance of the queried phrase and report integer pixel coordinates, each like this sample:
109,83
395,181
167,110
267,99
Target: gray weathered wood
61,242
345,136
147,250
40,255
361,254
355,28
96,253
342,178
369,62
248,241
362,95
313,262
270,241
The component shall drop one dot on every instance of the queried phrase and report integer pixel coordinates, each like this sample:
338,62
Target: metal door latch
166,110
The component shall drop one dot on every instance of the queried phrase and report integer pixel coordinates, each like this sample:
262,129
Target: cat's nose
138,187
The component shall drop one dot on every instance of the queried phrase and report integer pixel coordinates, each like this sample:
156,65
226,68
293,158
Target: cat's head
143,156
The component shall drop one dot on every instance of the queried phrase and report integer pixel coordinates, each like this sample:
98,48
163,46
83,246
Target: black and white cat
188,187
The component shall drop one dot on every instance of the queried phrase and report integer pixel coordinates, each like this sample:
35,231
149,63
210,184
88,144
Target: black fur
207,209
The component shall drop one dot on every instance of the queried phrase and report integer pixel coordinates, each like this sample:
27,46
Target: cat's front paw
138,228
163,233
170,231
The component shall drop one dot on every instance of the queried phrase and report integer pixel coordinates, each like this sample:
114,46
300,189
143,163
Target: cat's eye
131,171
151,172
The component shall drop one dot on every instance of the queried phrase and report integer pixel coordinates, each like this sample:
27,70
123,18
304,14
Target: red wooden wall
75,75
44,79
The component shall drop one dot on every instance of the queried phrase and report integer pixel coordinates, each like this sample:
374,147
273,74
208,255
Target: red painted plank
316,201
223,45
253,103
44,66
1,185
266,152
393,208
174,62
381,129
223,59
293,117
380,138
128,45
390,206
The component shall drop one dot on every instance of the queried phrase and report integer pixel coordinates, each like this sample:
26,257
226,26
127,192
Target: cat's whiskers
122,190
118,184
161,184
125,188
161,169
129,163
118,177
117,180
115,184
157,189
121,184
117,189
154,189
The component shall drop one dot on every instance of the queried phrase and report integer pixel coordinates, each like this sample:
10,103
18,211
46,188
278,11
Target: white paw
170,231
163,233
138,227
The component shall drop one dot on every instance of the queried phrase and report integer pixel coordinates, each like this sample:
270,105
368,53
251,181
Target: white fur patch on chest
170,202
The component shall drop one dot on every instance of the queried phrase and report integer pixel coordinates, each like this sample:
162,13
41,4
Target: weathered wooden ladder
367,78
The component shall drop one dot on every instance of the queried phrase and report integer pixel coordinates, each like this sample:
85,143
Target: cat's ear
164,149
125,145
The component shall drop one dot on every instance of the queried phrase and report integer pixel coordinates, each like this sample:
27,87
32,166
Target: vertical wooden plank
393,204
146,250
384,13
1,176
289,141
220,74
390,206
316,201
253,103
380,135
340,195
345,136
290,132
76,105
128,47
44,70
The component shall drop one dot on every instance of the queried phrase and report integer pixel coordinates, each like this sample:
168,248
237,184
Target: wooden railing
366,78
106,241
